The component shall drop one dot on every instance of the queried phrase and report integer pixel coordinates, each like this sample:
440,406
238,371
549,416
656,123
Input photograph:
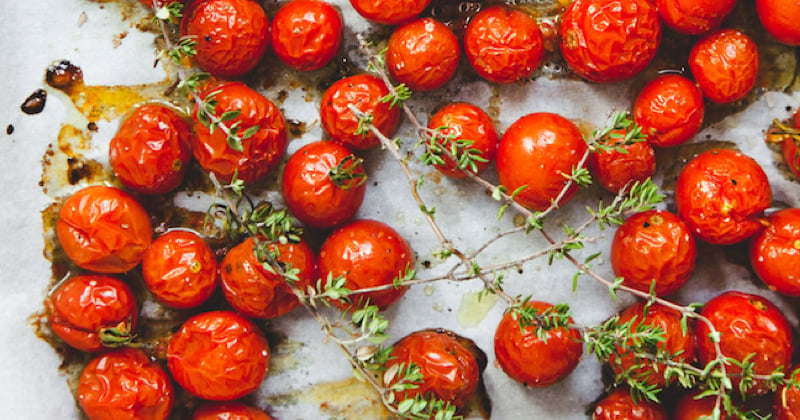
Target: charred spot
34,103
63,74
10,129
92,126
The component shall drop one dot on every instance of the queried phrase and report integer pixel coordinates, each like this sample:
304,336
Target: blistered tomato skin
125,385
725,65
786,403
465,122
232,410
389,12
693,17
780,18
670,110
619,404
306,34
614,170
104,229
422,54
775,252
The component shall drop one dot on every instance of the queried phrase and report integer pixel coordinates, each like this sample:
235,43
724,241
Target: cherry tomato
104,229
775,252
261,152
780,18
537,151
609,40
615,170
693,17
125,384
721,195
749,325
231,35
786,404
323,184
231,410
464,122
619,404
689,407
306,34
530,360
256,292
422,54
389,12
670,110
725,65
218,356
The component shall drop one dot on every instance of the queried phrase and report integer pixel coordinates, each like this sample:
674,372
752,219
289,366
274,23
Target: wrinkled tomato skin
104,229
422,54
693,17
218,356
257,293
609,40
747,324
537,151
620,405
670,110
389,12
780,18
531,361
786,403
310,193
775,252
689,407
721,195
614,170
306,34
465,122
503,45
231,35
725,65
125,384
81,307
232,410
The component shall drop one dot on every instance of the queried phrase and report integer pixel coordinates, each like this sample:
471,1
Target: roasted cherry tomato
323,184
670,110
104,229
125,385
306,34
218,356
255,291
364,91
692,17
470,125
780,18
533,361
721,195
231,35
230,410
503,45
609,40
260,152
422,54
615,170
775,252
537,152
749,325
725,65
619,405
367,253
389,12
689,407
786,405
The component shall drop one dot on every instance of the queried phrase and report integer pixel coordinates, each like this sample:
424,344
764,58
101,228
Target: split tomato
725,65
670,110
389,12
775,252
462,122
231,410
619,404
423,54
306,34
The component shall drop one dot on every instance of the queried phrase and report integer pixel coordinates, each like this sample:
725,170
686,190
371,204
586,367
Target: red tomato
104,229
614,170
620,405
725,65
422,54
780,18
538,151
609,40
256,292
125,385
721,195
465,122
670,110
775,252
323,184
306,34
531,361
218,356
503,45
689,407
786,405
389,12
693,17
232,410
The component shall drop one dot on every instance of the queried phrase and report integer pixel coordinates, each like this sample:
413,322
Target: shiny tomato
104,229
538,151
725,65
231,35
125,385
231,410
615,170
306,34
323,184
780,18
786,404
693,17
464,122
670,110
503,45
368,254
218,356
619,404
422,54
721,195
530,360
689,407
389,12
775,252
256,292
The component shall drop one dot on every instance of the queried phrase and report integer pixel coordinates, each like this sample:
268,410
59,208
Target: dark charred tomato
609,40
260,152
530,360
786,403
103,229
92,312
619,404
306,34
323,184
231,410
539,151
775,252
256,292
231,35
692,17
422,54
367,253
725,65
749,325
218,356
363,91
389,12
503,45
780,18
654,246
615,170
462,122
180,269
670,110
690,407
721,195
125,385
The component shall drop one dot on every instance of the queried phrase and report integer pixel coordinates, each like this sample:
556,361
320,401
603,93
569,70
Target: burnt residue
10,129
296,127
80,169
64,75
34,103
